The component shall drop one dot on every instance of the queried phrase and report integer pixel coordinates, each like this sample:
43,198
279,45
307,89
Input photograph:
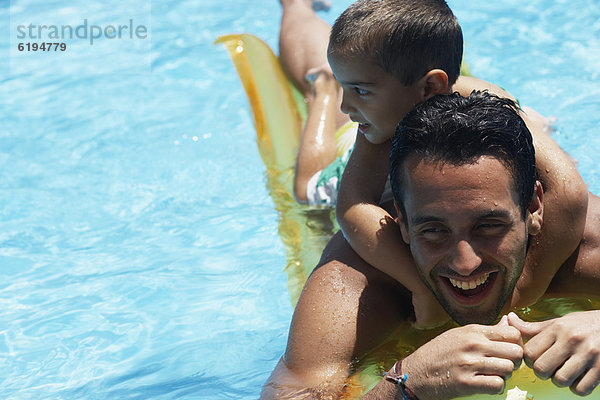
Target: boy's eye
360,91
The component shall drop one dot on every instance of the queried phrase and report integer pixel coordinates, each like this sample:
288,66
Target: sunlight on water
139,248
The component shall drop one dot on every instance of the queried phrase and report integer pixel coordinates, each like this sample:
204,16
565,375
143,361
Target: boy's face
372,97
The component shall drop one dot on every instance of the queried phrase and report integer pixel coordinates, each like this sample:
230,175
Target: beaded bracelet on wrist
399,378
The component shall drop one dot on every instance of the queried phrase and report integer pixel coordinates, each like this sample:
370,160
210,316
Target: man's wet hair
406,38
456,130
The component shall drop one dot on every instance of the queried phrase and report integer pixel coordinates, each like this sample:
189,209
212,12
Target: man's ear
402,224
434,82
535,218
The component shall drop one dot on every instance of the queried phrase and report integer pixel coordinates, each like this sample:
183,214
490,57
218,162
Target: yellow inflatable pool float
279,112
523,384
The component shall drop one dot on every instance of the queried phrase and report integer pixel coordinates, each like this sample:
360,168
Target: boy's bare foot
316,5
321,5
321,78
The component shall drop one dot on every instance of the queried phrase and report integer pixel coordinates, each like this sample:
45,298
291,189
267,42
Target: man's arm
343,312
566,349
320,347
472,359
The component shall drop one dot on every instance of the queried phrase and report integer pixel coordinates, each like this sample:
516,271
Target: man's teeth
472,284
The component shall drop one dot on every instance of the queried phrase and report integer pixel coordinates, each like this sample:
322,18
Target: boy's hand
428,311
566,349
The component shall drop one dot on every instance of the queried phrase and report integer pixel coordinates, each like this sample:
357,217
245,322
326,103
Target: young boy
388,56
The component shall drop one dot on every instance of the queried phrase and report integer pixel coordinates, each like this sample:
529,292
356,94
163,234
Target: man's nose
465,259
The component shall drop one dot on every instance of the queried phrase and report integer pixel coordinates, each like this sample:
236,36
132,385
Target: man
463,175
388,56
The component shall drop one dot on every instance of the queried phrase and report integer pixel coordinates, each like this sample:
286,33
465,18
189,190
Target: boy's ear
434,82
535,218
402,224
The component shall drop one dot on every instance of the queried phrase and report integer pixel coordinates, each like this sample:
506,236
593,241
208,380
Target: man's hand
473,359
566,349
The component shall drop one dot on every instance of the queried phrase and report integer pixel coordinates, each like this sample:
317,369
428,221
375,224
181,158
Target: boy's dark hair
459,130
406,38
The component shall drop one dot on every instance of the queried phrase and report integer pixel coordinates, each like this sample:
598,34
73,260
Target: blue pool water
139,251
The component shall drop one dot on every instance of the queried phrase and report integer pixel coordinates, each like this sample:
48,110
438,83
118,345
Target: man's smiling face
466,232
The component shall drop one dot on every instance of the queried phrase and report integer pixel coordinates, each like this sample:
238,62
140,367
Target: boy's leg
303,39
317,147
303,43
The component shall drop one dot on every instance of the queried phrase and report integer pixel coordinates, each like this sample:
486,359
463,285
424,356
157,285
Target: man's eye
491,227
433,233
432,230
360,91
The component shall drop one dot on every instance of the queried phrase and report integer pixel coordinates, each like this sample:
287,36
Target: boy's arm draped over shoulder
371,230
565,208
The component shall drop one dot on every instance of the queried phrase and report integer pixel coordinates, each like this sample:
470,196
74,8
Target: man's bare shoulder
346,308
345,288
580,274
